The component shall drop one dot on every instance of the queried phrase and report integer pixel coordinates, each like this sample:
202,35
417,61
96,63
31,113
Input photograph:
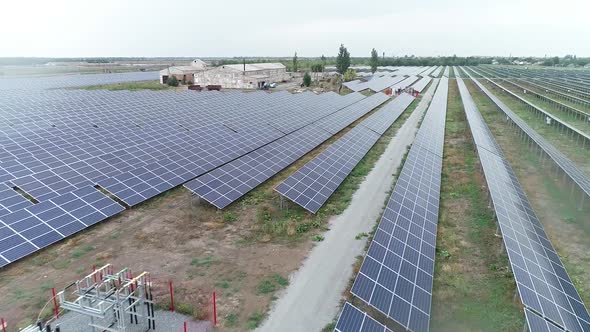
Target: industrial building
242,76
184,74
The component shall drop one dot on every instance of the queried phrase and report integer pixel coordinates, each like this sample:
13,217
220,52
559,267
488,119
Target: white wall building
184,74
242,76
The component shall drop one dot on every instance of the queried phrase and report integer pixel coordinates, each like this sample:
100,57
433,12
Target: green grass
317,238
130,86
203,262
467,294
81,251
271,284
229,217
231,320
361,235
254,320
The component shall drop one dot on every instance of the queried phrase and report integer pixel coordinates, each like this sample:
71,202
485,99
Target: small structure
242,76
184,74
112,300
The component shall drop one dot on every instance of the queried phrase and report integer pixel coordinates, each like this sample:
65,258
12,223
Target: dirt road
312,299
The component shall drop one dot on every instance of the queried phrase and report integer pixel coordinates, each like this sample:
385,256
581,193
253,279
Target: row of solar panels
29,83
312,185
568,109
541,84
395,80
422,83
544,286
135,171
546,114
231,181
568,166
95,114
577,87
396,275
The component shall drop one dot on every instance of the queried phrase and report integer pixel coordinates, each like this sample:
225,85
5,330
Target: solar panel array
231,181
37,226
585,138
566,108
437,71
544,286
27,83
133,145
312,185
375,83
352,319
397,273
405,83
422,83
567,165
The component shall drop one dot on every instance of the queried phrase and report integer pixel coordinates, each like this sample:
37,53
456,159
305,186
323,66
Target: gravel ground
165,321
312,299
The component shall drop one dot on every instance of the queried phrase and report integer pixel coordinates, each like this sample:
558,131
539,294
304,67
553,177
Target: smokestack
244,64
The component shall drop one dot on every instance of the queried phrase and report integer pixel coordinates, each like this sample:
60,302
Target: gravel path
165,321
312,299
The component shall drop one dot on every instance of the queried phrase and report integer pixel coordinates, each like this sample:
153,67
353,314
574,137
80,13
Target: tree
342,60
349,75
295,62
374,62
172,81
306,79
317,68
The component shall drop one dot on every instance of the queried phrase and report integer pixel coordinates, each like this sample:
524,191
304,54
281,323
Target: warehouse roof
255,66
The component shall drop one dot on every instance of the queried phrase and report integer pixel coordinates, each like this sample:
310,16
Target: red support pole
214,309
55,303
3,324
171,296
185,329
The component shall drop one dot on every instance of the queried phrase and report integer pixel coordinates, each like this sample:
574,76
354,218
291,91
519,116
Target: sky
206,28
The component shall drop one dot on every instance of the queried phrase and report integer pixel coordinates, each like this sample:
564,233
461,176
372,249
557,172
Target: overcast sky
84,28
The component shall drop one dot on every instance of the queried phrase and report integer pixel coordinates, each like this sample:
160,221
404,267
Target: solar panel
535,323
11,201
334,123
352,319
231,181
567,165
316,181
397,272
55,141
542,281
37,226
422,83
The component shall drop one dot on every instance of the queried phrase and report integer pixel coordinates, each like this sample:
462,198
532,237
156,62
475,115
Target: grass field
131,86
473,286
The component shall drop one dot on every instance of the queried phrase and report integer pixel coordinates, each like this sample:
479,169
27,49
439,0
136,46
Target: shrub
349,75
172,81
306,79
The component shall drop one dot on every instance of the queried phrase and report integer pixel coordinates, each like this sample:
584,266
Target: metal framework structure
113,301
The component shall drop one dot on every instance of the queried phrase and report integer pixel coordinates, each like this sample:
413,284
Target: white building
242,76
184,74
